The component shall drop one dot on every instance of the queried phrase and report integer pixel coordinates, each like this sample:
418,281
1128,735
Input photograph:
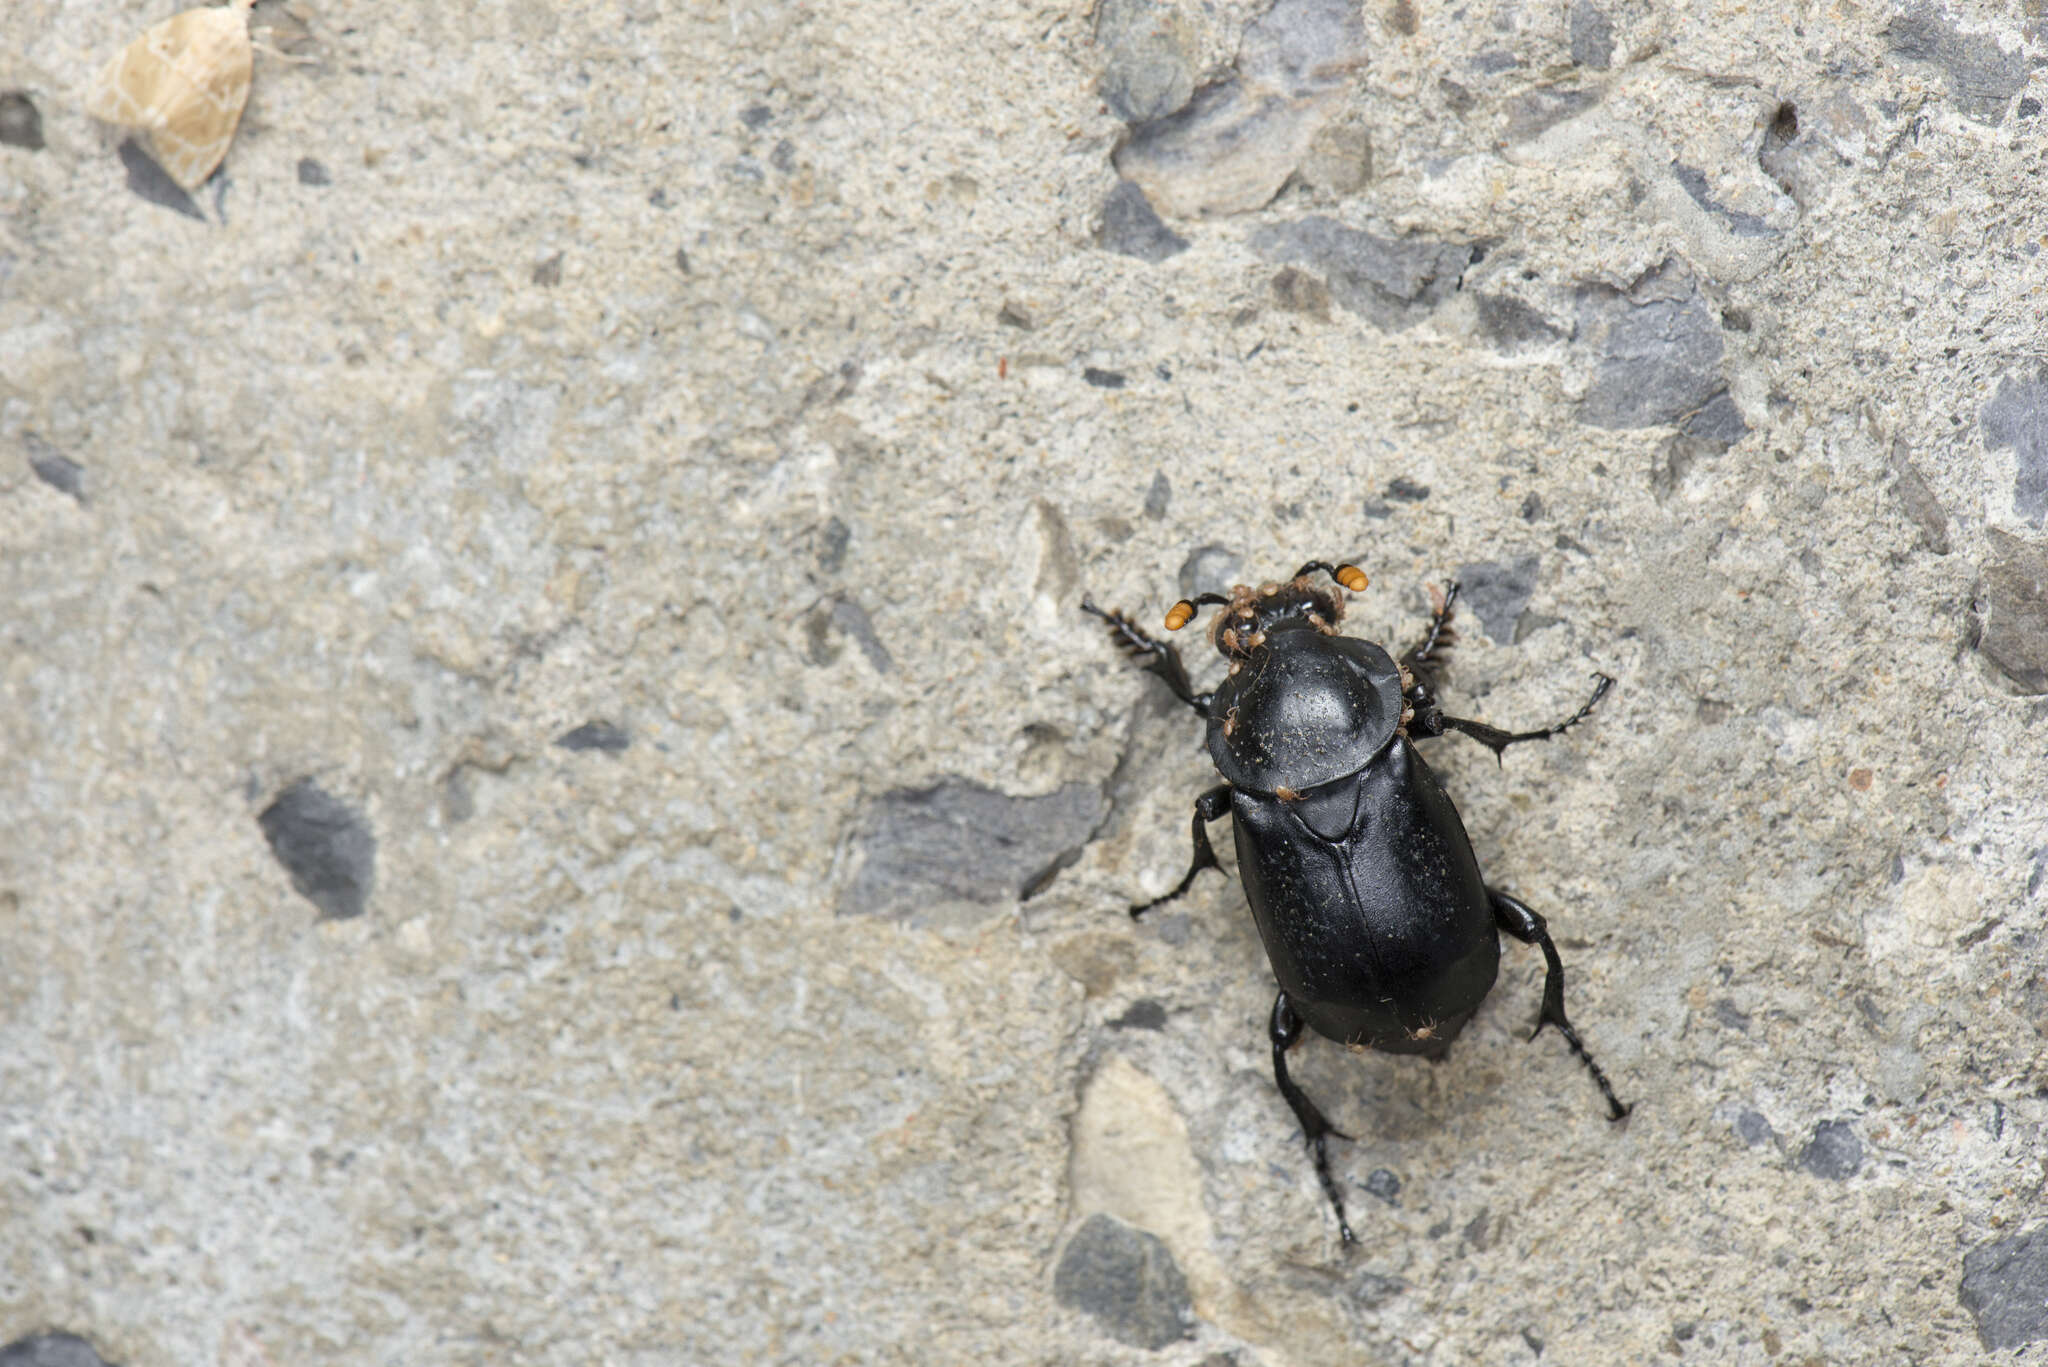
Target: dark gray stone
59,472
1401,489
844,617
151,182
1982,76
1510,324
51,1350
1540,110
1131,228
2013,595
1834,1152
1717,422
1592,36
1657,361
1103,379
1753,1129
833,540
1731,1016
1158,496
312,172
21,123
2005,1288
1740,223
1391,282
1481,1231
1127,1280
595,735
325,846
1496,593
959,840
851,618
2017,416
1210,569
548,273
1384,1184
1144,1014
756,115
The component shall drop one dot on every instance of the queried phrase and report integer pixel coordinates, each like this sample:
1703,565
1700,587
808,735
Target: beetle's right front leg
1284,1029
1155,657
1208,807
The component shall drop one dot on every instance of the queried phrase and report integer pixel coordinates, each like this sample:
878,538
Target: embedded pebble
325,846
2005,1288
1127,1281
959,840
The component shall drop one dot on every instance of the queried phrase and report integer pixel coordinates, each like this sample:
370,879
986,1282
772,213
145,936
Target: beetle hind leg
1285,1029
1518,920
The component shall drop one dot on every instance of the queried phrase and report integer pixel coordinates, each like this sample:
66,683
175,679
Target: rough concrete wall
557,806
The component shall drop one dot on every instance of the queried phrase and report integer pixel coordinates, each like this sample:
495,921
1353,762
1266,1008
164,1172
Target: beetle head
1250,614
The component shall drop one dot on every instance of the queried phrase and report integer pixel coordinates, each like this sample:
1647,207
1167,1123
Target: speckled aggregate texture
620,478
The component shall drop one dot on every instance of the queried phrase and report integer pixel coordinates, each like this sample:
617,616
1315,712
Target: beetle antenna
1350,576
1183,612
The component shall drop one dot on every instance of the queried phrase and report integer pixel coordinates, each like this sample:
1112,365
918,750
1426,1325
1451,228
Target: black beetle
1380,929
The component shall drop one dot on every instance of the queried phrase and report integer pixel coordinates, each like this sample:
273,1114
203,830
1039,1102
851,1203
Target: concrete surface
557,805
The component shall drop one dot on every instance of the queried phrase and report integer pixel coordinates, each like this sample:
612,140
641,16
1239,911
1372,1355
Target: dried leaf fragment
182,84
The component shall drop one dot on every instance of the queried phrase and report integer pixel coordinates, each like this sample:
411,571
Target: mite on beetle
1379,927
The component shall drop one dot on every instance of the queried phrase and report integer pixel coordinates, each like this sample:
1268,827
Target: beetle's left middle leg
1208,807
1513,916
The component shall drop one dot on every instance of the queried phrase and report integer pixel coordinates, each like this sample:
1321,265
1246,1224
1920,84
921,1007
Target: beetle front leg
1284,1029
1208,807
1518,920
1156,657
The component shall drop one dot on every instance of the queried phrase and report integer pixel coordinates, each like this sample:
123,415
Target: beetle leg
1285,1028
1208,807
1497,740
1423,661
1442,635
1155,657
1525,925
